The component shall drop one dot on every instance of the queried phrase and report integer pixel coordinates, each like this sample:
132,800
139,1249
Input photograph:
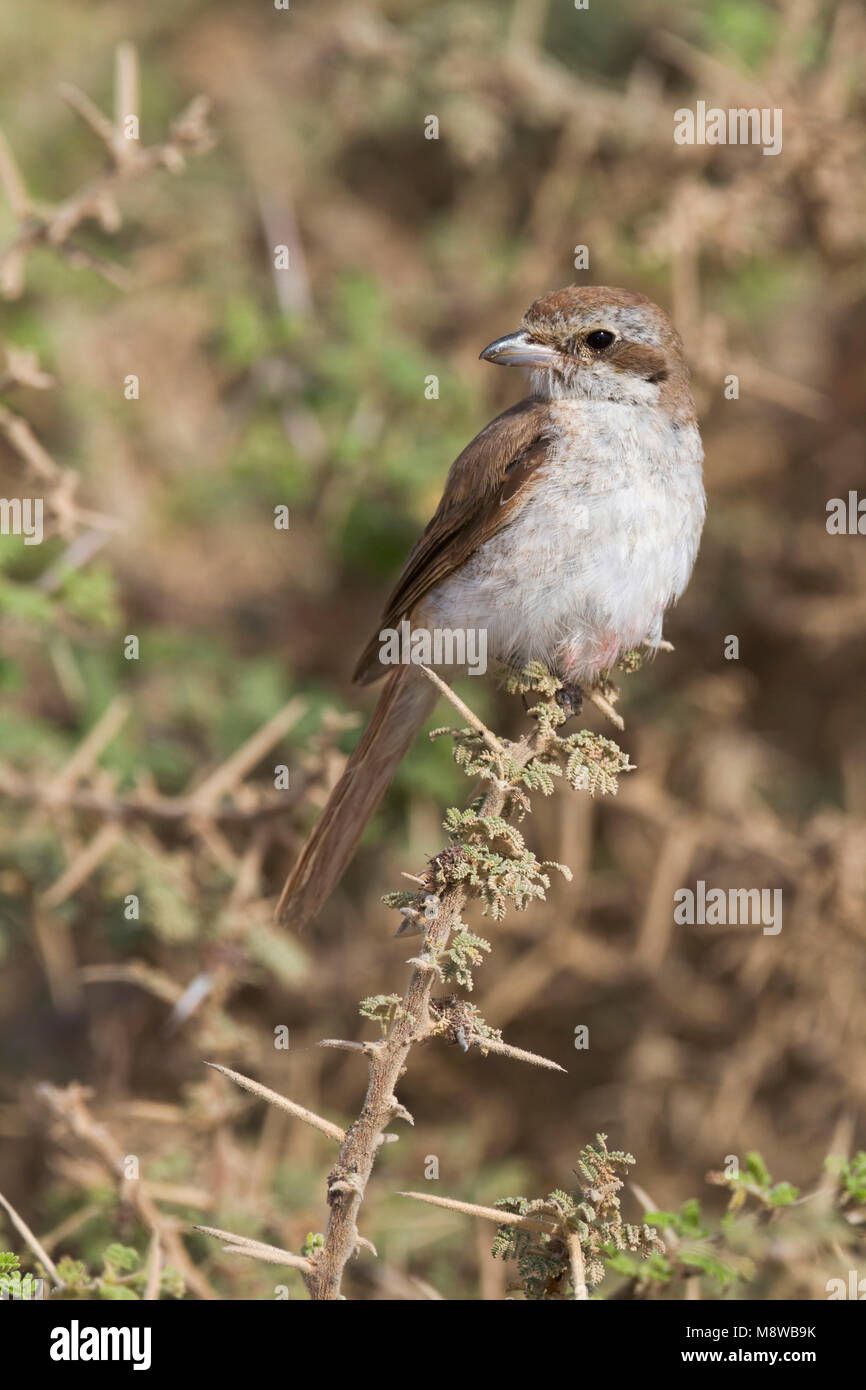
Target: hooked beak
520,350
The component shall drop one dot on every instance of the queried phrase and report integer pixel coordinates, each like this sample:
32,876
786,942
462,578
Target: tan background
556,129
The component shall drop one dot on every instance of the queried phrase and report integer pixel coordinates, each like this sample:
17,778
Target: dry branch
69,1106
257,1249
497,1214
506,769
274,1098
128,159
52,227
33,1241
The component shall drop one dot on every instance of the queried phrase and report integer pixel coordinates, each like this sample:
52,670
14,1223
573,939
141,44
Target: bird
567,527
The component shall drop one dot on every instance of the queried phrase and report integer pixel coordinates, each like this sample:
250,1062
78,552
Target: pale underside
602,545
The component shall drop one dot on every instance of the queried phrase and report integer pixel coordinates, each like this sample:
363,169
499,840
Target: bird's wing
486,484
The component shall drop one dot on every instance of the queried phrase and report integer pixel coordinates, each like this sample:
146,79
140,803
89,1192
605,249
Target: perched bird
566,529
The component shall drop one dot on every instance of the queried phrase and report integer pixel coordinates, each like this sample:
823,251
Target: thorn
606,708
577,1266
369,1049
26,1234
425,963
257,1249
410,925
13,182
387,1139
444,689
89,112
671,1238
274,1098
502,1218
345,1184
367,1245
517,1053
399,1112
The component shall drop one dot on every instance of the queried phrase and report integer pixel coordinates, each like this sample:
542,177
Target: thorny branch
221,798
560,1242
487,859
52,227
69,1107
223,819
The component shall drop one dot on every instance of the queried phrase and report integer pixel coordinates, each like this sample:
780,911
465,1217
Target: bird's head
595,343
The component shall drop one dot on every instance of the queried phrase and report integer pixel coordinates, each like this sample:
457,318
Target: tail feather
405,702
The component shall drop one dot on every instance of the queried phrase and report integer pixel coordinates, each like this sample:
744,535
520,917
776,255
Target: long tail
405,702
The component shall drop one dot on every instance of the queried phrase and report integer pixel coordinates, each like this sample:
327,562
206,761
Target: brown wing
484,487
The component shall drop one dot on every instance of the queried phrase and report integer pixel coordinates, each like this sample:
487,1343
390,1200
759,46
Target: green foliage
465,951
497,878
459,1021
644,1272
687,1222
487,853
90,597
631,661
734,1255
509,873
691,1246
590,1214
121,1258
851,1176
708,1262
169,900
744,27
763,1218
277,951
594,763
123,1277
382,1009
753,1180
13,1283
401,897
73,1273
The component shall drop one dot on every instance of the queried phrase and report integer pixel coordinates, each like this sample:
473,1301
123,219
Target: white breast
604,544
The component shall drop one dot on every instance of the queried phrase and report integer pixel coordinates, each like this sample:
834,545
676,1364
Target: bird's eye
599,339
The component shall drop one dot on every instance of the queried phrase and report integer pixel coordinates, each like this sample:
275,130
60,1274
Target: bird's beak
520,350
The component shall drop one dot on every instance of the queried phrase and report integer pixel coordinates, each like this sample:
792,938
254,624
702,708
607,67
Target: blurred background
153,778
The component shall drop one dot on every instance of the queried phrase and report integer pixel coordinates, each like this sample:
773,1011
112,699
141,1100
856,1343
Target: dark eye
599,339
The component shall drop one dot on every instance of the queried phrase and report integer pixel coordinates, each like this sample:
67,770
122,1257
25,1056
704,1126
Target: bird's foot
570,698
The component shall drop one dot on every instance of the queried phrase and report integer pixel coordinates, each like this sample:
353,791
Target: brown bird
566,529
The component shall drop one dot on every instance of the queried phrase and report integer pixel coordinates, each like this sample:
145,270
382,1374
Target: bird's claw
570,698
